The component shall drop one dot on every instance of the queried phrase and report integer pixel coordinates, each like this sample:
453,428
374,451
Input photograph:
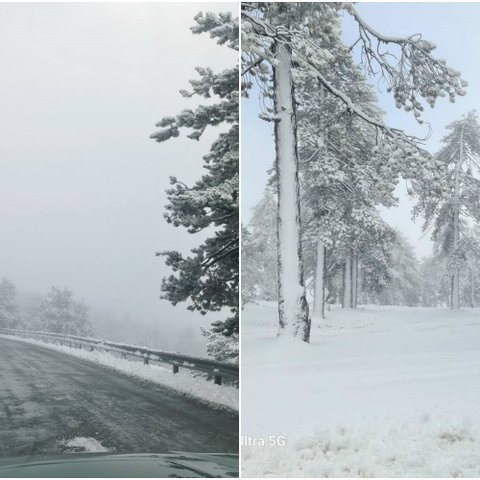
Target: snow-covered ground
379,392
184,381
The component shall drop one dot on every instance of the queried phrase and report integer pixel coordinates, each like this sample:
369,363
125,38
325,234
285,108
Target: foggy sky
81,184
453,27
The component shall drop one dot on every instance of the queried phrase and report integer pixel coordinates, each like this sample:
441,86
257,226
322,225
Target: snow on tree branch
416,72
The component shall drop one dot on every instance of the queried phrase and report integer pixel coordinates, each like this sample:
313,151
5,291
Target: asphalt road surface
48,398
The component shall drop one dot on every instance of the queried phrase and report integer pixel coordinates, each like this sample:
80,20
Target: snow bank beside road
183,382
378,392
84,444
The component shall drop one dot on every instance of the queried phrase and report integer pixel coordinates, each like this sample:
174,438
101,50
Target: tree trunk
325,292
472,288
347,283
319,295
292,303
354,281
455,303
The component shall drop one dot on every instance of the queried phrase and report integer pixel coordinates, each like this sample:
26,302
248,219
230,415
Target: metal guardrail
218,370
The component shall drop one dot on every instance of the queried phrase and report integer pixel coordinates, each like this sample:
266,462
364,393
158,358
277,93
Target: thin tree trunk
292,302
319,295
347,283
325,292
455,303
449,297
472,288
354,281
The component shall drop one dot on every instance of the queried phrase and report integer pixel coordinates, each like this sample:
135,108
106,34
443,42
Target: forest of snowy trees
337,163
56,312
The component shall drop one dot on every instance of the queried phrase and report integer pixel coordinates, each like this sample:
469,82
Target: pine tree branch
256,63
283,35
213,255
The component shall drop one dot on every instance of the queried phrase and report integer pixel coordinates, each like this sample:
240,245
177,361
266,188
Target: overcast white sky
453,27
81,184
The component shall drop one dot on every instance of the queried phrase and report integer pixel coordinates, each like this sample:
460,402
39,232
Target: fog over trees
56,312
81,200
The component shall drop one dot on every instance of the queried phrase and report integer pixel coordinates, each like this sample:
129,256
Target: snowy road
49,402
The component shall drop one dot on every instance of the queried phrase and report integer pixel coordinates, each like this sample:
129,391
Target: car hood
148,465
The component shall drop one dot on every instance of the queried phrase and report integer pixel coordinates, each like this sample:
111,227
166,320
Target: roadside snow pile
379,392
183,381
83,444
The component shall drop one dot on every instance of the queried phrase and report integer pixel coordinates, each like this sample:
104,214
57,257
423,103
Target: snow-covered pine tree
449,203
470,244
368,243
263,228
209,277
317,136
9,307
435,284
405,281
358,254
293,311
342,167
250,267
60,313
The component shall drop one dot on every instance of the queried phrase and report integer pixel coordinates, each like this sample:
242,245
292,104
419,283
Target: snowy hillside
380,391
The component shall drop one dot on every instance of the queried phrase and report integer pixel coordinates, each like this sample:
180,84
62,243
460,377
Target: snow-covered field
379,392
184,381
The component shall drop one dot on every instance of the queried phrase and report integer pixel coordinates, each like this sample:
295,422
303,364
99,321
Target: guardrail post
218,379
175,368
